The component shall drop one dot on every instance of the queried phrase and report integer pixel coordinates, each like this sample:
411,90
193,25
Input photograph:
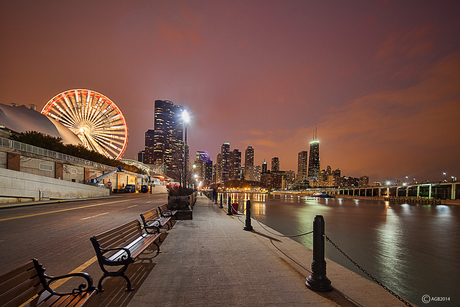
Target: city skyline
378,79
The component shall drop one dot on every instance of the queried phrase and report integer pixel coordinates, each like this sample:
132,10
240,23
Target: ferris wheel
93,117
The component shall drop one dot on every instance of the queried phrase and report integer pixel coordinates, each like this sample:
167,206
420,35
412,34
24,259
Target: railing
7,143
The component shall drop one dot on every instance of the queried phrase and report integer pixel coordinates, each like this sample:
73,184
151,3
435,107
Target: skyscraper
148,150
164,144
275,164
264,167
249,163
219,168
314,162
235,165
203,166
302,166
225,151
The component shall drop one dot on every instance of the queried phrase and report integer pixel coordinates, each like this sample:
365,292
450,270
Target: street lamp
445,174
185,121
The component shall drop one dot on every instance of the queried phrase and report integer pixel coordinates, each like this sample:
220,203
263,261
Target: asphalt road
58,234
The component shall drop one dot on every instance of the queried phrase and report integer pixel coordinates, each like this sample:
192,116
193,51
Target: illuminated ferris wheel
93,117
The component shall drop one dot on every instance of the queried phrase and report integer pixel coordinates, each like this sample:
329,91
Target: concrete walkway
212,261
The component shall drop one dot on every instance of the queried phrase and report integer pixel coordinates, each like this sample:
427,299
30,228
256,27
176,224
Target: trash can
235,208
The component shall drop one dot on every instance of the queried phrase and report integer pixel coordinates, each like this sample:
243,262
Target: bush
179,191
178,204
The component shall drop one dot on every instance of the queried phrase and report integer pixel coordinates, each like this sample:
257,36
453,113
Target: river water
413,249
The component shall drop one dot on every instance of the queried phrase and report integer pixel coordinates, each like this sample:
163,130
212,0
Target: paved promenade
212,261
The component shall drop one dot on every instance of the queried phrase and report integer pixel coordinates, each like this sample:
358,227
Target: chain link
367,273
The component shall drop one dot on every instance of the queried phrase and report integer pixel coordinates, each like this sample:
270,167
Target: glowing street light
445,174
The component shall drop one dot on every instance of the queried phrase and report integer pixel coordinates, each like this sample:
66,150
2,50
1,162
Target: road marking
90,217
60,282
149,201
132,206
56,211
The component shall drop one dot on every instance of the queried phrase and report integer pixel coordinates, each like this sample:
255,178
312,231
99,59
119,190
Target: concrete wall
19,186
157,189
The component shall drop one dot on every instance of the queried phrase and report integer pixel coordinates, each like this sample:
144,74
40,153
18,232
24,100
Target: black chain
367,273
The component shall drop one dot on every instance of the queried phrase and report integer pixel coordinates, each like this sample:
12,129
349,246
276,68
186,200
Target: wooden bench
29,283
165,212
153,221
121,246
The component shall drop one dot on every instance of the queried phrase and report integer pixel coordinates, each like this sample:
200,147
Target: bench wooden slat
111,237
21,284
13,272
149,218
66,301
128,236
18,279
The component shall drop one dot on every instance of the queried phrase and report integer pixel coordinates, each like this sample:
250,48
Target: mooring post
318,280
221,197
248,225
229,206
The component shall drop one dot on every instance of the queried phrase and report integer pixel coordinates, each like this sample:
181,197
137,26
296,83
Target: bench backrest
163,208
120,236
19,285
150,216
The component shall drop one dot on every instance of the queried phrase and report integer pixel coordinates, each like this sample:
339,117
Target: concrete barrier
19,186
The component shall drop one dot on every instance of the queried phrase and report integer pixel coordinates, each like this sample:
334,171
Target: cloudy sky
379,79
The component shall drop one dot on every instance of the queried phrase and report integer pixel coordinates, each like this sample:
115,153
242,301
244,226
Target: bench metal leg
158,247
128,282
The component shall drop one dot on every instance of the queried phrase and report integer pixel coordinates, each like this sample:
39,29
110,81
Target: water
412,249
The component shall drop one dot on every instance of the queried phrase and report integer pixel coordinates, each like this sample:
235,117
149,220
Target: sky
379,79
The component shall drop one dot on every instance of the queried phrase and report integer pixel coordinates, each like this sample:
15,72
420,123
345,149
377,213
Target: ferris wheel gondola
93,117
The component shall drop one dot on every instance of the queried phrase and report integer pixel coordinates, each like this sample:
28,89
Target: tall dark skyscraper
235,165
264,167
225,151
275,164
148,150
249,163
313,162
302,166
164,144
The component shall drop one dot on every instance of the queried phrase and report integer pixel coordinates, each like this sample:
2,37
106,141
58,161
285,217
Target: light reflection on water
412,249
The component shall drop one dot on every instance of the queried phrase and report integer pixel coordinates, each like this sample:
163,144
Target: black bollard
248,225
221,197
318,280
229,204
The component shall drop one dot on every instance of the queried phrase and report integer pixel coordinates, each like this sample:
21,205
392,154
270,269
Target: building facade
302,166
164,144
275,164
235,165
248,162
225,152
313,161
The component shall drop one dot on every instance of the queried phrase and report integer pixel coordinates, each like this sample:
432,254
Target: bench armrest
85,286
147,227
122,257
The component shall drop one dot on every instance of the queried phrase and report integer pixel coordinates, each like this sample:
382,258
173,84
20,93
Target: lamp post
185,120
445,175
